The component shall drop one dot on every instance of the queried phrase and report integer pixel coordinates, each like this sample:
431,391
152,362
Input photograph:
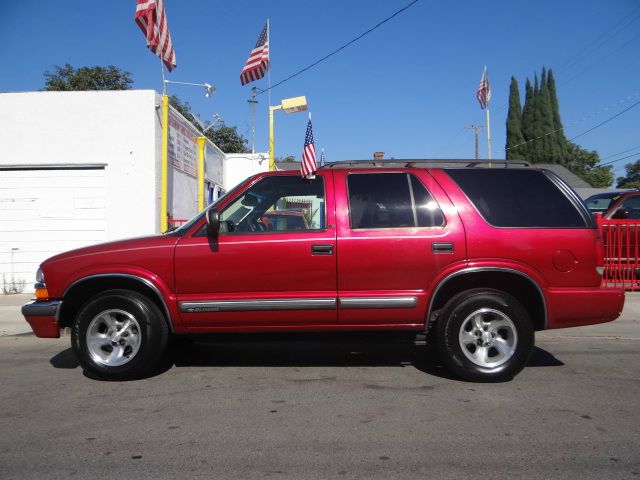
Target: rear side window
518,198
391,200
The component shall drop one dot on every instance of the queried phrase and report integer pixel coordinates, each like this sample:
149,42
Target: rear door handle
320,249
442,247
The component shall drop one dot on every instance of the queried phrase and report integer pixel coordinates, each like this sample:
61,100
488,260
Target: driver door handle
320,249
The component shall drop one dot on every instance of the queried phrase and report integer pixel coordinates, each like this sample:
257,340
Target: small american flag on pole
308,165
151,17
483,94
258,61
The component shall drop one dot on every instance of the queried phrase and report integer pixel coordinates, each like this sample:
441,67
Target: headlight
39,276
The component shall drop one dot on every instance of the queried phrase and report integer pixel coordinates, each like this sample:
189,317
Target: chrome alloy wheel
113,338
488,338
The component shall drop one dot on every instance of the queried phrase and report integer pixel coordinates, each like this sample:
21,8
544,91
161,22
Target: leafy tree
584,163
515,139
67,78
288,158
632,180
225,137
228,139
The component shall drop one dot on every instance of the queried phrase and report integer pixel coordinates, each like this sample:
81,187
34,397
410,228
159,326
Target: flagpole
269,69
489,135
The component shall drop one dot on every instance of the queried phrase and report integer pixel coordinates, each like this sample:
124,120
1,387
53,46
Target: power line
594,44
620,153
340,48
582,120
602,59
606,121
614,161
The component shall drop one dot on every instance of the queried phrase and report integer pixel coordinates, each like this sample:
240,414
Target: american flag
151,17
308,165
483,94
258,61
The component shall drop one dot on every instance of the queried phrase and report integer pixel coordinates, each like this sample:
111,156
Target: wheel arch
514,282
76,295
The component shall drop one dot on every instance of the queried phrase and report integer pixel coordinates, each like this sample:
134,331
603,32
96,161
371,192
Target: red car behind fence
621,259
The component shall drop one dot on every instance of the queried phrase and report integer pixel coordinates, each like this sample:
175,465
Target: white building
78,168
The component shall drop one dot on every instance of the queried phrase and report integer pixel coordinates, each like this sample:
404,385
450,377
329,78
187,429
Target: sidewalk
627,326
11,320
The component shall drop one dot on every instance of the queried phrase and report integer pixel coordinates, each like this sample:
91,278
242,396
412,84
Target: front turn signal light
42,294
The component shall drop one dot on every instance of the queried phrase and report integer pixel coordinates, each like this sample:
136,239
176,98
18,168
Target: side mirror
620,214
213,222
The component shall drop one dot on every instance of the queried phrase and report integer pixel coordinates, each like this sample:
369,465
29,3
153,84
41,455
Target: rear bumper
43,318
578,307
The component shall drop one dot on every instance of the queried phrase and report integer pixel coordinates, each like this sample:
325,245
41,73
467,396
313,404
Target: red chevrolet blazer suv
476,259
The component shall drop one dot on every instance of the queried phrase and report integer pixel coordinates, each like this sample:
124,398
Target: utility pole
476,129
253,101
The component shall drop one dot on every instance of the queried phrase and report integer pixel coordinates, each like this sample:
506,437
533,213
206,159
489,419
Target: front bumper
578,307
43,317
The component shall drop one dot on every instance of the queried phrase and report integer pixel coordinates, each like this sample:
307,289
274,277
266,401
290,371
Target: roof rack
441,163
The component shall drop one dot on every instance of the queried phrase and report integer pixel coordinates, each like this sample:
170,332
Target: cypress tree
559,137
528,121
537,149
515,139
548,144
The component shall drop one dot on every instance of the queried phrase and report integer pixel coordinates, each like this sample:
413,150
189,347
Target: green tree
558,136
67,78
548,154
528,120
225,137
584,163
632,179
543,133
515,139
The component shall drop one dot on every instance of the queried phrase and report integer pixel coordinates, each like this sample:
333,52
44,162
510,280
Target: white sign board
183,144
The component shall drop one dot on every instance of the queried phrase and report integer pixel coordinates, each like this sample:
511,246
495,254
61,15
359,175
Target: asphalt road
308,409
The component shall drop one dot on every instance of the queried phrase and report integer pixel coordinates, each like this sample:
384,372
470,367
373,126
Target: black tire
501,348
119,335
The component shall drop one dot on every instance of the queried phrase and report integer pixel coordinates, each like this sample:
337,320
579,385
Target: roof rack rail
401,163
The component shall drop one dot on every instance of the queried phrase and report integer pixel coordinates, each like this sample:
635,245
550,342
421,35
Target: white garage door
44,212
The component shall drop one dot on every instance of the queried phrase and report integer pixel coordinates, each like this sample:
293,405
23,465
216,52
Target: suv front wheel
119,335
484,335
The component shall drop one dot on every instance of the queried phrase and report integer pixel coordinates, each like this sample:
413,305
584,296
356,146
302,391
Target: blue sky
407,89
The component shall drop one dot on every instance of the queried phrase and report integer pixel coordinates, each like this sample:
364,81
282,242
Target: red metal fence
621,253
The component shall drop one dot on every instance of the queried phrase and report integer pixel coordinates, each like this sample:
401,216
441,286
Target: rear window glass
517,198
391,200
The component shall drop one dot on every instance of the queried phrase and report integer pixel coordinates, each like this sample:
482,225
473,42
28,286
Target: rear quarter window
520,198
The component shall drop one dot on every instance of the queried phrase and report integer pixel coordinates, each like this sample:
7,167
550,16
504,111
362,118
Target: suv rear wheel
119,335
484,335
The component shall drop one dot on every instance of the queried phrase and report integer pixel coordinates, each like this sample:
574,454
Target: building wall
79,168
83,167
239,166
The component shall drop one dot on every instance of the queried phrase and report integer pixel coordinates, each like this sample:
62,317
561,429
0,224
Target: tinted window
277,204
390,200
517,198
632,205
427,210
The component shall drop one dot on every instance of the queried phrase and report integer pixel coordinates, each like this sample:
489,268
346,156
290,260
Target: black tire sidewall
153,334
450,322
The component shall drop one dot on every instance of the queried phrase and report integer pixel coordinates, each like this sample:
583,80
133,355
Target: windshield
601,202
